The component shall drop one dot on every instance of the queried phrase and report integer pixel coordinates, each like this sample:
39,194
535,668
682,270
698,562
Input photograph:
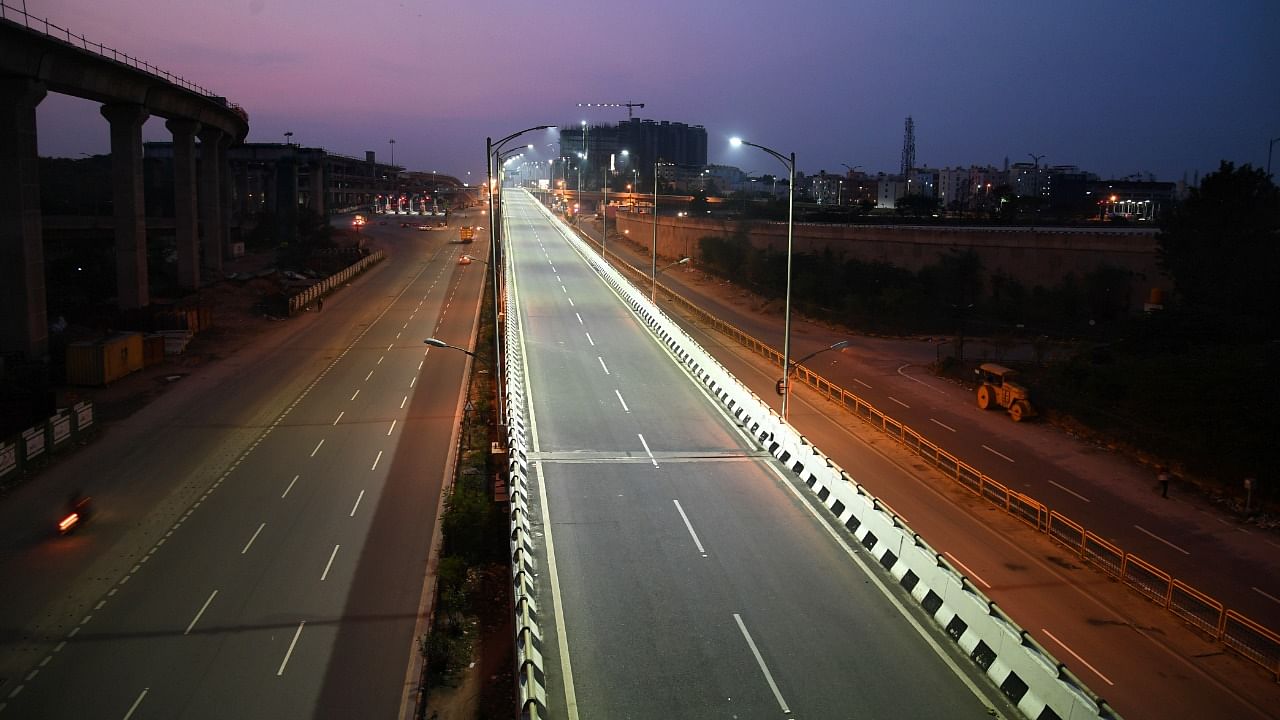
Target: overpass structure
37,58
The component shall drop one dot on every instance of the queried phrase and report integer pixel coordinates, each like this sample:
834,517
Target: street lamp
788,161
491,150
784,386
288,138
1270,145
393,152
434,342
653,288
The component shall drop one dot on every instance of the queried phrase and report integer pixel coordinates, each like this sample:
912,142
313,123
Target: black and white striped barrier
1040,686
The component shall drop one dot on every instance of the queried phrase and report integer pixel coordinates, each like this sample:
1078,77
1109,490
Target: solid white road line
899,402
652,459
136,703
393,427
624,402
375,461
291,482
862,383
593,342
353,507
329,564
203,607
760,661
606,367
313,452
942,425
997,453
964,567
1069,490
1074,655
689,525
1267,595
335,420
1157,537
291,646
255,537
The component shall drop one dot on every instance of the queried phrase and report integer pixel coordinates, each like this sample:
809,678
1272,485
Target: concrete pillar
227,197
126,121
186,201
211,246
316,189
286,216
24,327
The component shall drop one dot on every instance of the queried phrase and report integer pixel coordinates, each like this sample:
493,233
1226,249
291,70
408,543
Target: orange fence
1201,611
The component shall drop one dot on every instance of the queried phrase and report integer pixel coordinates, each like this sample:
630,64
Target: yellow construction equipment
998,387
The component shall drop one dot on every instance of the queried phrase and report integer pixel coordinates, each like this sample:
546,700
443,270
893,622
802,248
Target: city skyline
1163,89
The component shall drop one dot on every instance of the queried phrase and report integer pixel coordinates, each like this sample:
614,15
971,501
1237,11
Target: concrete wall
1032,256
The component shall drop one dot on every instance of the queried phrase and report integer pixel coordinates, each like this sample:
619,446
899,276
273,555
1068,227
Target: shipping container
152,350
121,355
84,363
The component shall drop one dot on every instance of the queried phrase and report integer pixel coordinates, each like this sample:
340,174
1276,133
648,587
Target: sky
1169,88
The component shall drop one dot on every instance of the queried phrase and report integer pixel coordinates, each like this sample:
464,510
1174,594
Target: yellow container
121,355
84,364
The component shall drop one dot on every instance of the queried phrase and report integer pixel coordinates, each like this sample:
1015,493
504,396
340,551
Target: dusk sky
1169,87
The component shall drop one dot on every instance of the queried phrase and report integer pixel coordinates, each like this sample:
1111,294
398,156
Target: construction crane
630,106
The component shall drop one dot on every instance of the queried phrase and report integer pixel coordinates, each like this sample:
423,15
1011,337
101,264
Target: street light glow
735,141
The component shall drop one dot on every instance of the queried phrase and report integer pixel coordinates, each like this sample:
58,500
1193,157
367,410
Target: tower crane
630,106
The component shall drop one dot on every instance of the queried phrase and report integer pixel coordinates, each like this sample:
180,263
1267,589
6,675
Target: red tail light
69,522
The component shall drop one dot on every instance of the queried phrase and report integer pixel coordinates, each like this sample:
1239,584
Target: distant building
888,189
646,141
1131,200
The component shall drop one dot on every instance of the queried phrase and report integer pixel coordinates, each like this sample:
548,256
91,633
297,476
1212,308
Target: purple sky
1167,87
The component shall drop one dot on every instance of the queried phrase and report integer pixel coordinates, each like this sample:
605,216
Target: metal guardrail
1201,611
31,22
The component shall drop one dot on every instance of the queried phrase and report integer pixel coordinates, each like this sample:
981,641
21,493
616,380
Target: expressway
263,529
1145,662
685,574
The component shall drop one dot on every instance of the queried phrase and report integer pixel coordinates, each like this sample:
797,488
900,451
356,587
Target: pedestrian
1162,477
319,304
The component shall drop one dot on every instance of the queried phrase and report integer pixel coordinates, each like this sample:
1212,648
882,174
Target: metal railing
1249,639
31,22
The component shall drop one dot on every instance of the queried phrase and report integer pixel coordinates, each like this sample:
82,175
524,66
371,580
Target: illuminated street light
789,161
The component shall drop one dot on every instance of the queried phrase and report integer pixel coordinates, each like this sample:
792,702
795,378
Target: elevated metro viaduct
33,64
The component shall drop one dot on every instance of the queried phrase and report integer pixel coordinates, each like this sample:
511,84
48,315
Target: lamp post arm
515,135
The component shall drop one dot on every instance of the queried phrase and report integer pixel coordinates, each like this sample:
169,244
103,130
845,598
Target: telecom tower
908,148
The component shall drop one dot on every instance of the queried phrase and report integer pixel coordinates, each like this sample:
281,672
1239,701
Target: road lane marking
579,319
353,507
381,358
760,661
366,377
997,453
593,342
606,367
134,707
291,482
689,525
1266,595
255,537
941,424
397,336
909,377
391,346
403,400
390,429
292,644
624,402
964,567
1065,489
414,380
335,420
862,383
558,279
353,396
899,402
313,452
203,607
329,564
652,459
420,362
566,291
1074,655
571,302
1157,537
375,461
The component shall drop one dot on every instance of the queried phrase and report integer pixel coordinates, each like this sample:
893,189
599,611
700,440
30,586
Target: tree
1221,245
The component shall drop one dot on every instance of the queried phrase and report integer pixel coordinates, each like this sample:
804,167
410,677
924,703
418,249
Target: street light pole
653,289
790,162
393,152
1270,145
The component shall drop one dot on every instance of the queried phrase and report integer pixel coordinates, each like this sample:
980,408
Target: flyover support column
24,327
186,201
211,200
126,121
316,189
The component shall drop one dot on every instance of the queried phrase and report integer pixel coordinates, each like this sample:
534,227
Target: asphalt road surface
263,529
685,576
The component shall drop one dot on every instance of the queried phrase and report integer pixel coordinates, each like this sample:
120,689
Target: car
424,227
464,260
